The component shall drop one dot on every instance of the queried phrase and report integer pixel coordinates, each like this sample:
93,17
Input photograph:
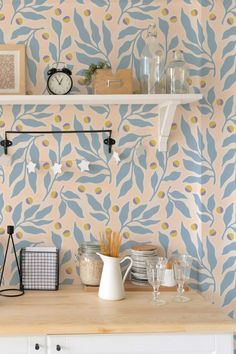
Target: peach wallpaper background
183,199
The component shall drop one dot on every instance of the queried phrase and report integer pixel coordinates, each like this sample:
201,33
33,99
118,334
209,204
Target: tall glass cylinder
151,64
177,74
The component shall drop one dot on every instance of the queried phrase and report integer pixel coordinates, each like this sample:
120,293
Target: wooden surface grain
73,311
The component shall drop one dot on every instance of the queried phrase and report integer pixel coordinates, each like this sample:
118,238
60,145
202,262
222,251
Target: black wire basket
39,268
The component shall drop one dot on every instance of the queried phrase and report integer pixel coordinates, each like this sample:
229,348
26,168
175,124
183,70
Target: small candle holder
11,292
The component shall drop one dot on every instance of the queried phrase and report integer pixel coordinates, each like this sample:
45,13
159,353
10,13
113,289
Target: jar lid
89,247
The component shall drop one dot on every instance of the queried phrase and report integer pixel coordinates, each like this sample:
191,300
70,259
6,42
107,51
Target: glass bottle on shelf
177,74
151,64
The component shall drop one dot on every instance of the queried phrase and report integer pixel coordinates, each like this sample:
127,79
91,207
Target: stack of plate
140,254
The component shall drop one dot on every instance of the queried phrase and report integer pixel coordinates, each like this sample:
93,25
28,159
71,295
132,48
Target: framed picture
12,69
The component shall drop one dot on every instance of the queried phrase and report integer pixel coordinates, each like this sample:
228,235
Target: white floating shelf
167,105
98,99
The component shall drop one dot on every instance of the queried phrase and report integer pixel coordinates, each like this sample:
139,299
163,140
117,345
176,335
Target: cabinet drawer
141,344
23,345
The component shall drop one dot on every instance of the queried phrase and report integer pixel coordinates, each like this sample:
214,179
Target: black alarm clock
59,81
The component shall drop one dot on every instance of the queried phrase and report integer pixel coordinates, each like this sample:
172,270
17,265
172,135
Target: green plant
92,69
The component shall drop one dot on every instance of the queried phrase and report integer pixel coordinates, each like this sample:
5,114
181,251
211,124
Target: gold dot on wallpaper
136,200
153,166
174,126
230,20
194,227
19,127
87,227
165,226
66,126
54,194
212,232
202,191
115,208
212,124
188,188
2,16
46,58
66,233
173,19
230,236
46,166
66,19
165,12
230,128
219,102
19,20
19,234
29,200
194,12
194,119
87,119
57,118
176,163
2,124
126,21
98,190
152,142
81,188
173,233
87,12
45,35
126,127
212,17
45,142
69,163
219,210
202,83
69,270
8,208
57,226
2,230
69,56
58,12
126,234
108,17
161,194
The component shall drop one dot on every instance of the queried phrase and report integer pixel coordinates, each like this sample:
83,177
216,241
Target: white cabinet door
141,344
23,345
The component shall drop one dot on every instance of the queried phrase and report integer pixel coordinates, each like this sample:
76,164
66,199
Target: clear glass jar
177,74
90,264
151,64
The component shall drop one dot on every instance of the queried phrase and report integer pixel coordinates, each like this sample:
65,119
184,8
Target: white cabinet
141,344
23,345
119,344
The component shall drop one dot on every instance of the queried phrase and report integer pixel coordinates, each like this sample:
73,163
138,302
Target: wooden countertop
73,311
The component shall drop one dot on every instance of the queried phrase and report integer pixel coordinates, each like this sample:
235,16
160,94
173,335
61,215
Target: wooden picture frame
12,69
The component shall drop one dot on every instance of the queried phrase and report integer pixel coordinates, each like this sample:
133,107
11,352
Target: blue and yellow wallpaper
183,199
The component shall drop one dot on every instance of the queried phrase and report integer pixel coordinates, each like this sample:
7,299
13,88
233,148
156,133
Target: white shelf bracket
166,118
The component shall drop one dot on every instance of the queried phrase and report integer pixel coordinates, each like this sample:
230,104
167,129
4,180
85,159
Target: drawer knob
58,348
36,347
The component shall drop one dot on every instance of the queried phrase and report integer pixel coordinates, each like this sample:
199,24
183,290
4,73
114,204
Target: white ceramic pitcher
111,284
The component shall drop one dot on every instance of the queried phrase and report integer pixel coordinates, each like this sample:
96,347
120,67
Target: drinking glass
182,269
155,272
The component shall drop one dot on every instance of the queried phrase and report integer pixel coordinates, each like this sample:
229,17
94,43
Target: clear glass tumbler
182,270
155,272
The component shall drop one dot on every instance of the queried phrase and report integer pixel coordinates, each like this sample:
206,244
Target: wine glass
155,272
182,269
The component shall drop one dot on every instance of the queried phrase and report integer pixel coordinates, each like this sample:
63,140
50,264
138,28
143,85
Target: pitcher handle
129,267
